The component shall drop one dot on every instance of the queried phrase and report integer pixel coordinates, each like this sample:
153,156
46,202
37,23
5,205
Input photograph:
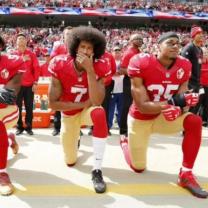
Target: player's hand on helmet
171,112
7,96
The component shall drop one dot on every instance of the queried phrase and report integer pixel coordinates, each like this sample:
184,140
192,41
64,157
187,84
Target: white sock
3,170
185,169
98,150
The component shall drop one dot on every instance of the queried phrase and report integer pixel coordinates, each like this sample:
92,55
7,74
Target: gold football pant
70,130
139,132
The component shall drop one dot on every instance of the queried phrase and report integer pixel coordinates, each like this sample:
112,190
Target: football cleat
6,187
188,181
98,182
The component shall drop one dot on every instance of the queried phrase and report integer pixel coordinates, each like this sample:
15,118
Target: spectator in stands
28,85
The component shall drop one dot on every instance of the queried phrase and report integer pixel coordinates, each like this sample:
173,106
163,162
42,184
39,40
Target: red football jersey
160,83
112,64
74,86
9,66
59,48
128,54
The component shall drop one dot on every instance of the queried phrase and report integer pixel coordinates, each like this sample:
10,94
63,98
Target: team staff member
194,54
28,85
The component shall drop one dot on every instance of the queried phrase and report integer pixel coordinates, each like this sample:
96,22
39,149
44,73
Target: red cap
195,30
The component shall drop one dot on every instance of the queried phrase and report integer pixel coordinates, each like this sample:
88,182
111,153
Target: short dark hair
89,34
166,36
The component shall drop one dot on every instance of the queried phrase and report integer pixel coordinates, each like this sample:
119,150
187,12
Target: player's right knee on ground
138,166
138,159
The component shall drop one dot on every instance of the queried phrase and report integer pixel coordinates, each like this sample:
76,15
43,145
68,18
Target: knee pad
100,128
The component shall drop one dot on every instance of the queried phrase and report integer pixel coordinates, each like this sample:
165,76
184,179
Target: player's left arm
8,94
14,83
183,87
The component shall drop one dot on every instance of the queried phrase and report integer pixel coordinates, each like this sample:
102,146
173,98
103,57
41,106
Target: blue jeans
116,101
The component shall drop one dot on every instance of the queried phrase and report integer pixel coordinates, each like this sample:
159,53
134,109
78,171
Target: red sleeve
125,60
53,67
58,49
16,64
113,65
102,68
57,64
36,67
137,64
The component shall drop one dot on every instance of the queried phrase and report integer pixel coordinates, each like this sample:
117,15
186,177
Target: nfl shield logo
167,75
5,74
180,73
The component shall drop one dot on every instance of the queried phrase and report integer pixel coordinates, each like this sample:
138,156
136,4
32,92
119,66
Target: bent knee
71,164
138,166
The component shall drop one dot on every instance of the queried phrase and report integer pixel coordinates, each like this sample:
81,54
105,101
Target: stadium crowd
161,5
41,40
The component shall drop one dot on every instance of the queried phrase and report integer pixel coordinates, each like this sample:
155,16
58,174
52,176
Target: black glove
178,100
7,96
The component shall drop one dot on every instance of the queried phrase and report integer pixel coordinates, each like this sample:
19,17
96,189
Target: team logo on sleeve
180,73
134,70
5,74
